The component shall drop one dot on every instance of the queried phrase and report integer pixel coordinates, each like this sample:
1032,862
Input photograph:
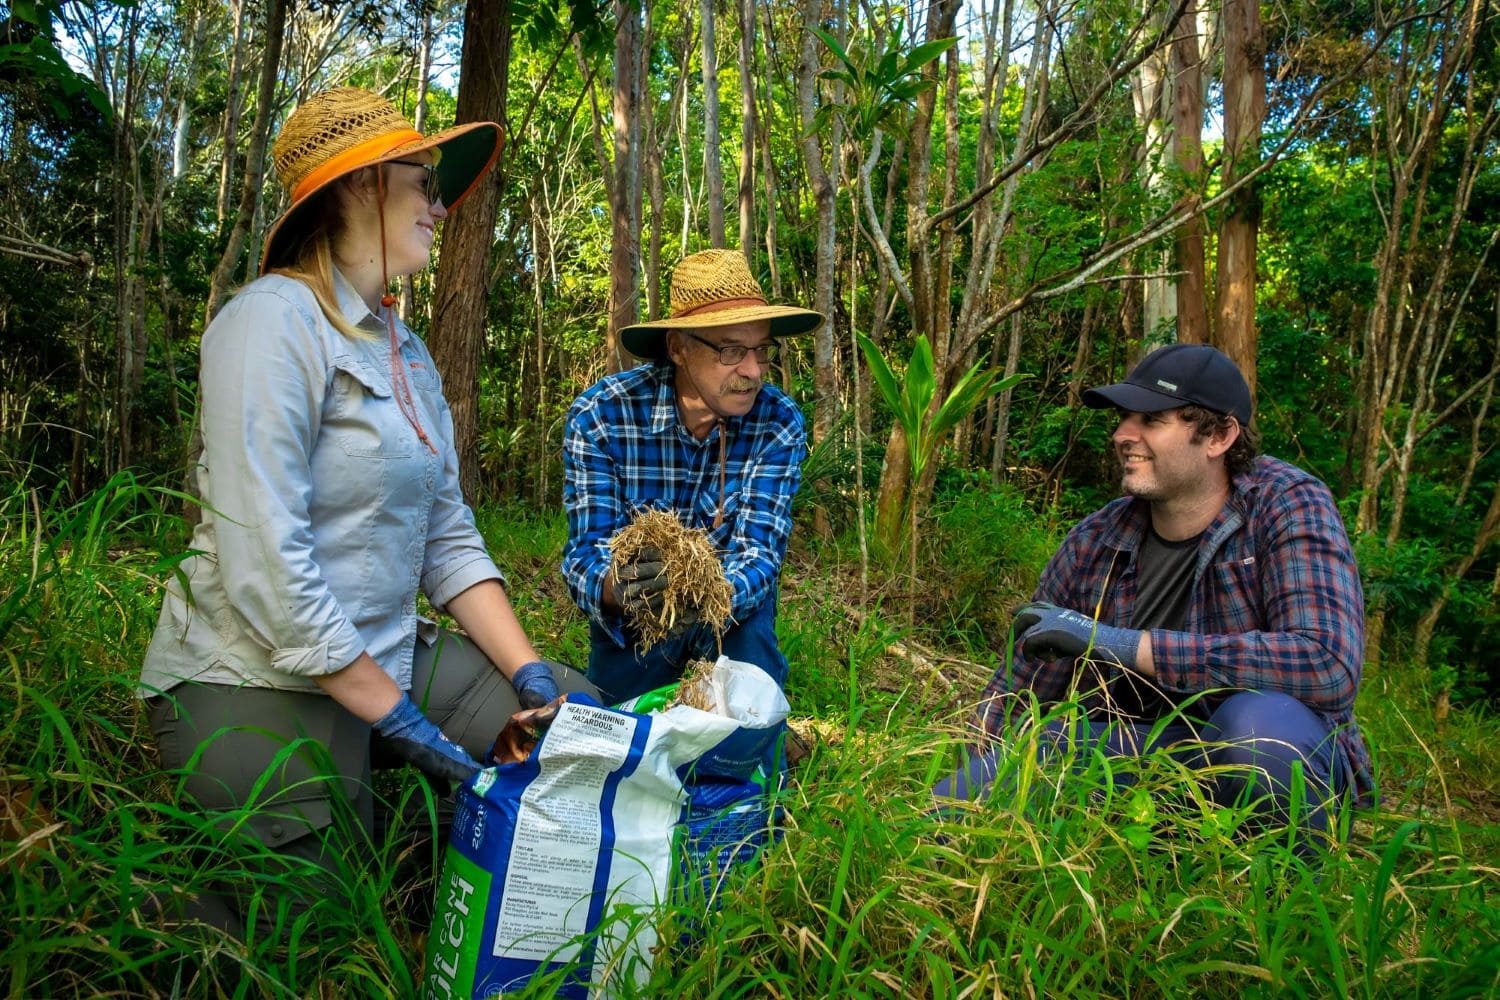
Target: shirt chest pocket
708,506
364,420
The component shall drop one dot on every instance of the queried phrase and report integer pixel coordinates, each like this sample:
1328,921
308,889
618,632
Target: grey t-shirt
1164,582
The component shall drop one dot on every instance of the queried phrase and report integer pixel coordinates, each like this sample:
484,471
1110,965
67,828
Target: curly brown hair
1207,423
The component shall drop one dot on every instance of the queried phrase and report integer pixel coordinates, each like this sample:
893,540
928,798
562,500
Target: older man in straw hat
698,432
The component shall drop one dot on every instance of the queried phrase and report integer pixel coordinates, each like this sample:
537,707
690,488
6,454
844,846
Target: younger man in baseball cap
1219,593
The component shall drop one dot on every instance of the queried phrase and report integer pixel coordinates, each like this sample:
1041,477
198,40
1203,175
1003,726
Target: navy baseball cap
1179,375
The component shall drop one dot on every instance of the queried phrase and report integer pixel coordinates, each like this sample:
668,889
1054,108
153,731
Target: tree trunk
218,288
419,119
624,259
656,147
1151,91
541,242
824,191
1244,110
747,131
712,169
1187,154
461,291
1489,531
132,233
658,201
182,129
233,104
921,300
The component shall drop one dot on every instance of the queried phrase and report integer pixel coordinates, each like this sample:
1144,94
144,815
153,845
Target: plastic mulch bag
556,864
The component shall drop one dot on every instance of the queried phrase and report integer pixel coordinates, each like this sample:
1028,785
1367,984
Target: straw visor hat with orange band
338,131
714,288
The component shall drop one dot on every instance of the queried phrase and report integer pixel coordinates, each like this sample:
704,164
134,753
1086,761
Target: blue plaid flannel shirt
625,449
1276,603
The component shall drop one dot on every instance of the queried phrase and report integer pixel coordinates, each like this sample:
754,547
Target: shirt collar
356,312
664,413
1126,532
664,407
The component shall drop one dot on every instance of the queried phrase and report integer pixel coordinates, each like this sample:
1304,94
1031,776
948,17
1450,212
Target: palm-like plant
925,423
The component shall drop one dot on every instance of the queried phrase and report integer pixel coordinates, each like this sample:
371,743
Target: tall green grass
1059,889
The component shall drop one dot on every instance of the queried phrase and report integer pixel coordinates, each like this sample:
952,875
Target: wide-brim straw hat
714,288
336,132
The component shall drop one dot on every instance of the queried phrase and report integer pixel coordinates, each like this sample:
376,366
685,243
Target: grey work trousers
293,769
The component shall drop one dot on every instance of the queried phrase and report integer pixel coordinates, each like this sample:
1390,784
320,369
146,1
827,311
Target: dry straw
697,688
695,579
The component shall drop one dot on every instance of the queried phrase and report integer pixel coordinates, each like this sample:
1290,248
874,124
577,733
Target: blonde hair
311,253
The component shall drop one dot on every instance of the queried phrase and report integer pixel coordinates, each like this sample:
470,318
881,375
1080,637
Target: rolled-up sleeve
260,421
455,558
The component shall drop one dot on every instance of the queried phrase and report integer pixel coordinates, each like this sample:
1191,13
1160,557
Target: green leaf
834,47
927,52
885,379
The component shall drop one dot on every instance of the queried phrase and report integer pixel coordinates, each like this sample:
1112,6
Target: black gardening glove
1048,632
640,584
686,619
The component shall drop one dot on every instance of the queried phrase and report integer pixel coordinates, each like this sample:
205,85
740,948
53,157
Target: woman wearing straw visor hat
330,497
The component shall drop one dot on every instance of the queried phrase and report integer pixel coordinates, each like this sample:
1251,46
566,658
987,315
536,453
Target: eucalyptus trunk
824,192
233,105
713,173
419,120
255,156
624,257
1187,157
747,131
1244,110
461,292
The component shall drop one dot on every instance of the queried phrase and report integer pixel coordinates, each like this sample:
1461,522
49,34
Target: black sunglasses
432,187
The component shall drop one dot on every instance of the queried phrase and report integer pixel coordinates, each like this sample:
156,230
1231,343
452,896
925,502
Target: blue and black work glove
535,686
417,740
1048,632
640,584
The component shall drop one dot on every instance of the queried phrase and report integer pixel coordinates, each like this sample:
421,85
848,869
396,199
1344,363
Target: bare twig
41,251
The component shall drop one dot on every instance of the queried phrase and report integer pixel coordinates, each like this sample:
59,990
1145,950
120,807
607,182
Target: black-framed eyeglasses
732,354
432,187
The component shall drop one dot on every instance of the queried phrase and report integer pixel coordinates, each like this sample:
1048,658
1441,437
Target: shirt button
276,830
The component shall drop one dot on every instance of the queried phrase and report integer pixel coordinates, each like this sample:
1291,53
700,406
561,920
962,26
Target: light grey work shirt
323,511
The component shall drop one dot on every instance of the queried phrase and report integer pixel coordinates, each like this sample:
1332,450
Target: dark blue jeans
624,673
1251,742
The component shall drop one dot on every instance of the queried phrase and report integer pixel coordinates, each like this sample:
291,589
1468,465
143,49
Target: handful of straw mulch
695,579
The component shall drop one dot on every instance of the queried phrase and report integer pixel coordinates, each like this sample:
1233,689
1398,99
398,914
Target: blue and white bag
557,863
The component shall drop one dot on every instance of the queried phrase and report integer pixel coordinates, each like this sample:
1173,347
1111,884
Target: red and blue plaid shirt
1276,603
625,449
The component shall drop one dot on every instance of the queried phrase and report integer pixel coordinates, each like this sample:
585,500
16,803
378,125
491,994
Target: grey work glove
417,740
640,584
1048,632
535,685
686,619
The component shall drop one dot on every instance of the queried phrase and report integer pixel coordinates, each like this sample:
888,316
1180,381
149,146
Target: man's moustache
744,385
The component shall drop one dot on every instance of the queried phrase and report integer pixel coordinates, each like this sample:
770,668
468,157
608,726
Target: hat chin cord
401,387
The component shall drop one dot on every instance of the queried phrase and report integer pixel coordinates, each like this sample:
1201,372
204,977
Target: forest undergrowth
1057,888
